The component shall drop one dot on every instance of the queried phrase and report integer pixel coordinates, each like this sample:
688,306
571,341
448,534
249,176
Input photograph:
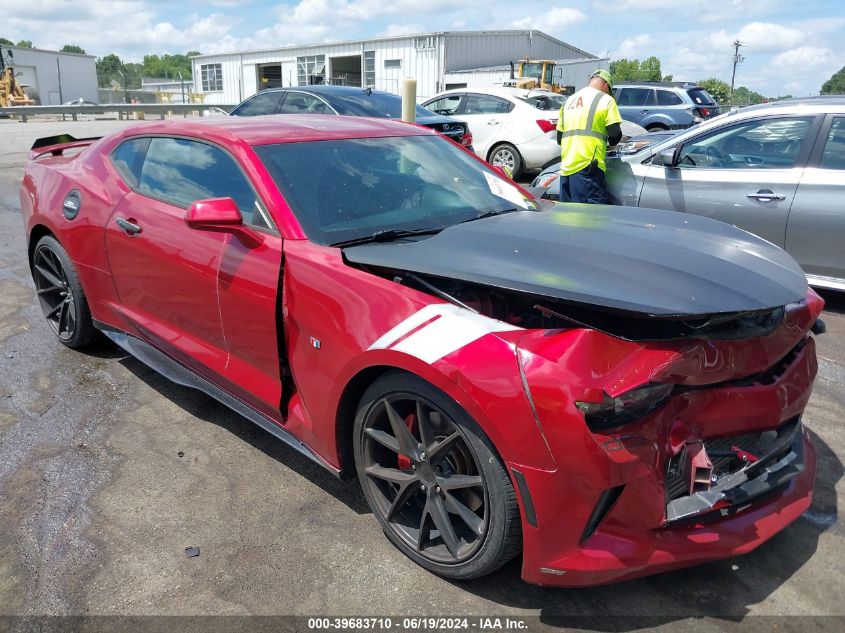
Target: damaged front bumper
783,461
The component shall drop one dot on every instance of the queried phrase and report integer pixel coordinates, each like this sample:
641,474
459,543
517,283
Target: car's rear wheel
506,155
60,294
433,479
656,127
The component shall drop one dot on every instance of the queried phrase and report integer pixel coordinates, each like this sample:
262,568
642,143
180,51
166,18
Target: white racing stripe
438,330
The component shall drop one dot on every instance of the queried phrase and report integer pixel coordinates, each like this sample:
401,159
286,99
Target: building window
369,68
310,70
393,63
424,43
212,77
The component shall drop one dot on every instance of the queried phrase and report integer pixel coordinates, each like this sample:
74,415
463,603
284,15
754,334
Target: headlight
632,147
625,408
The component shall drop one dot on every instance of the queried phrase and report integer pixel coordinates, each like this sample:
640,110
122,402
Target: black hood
660,263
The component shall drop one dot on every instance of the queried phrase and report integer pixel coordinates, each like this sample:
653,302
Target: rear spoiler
56,145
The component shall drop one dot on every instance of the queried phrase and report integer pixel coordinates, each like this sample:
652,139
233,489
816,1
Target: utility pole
738,59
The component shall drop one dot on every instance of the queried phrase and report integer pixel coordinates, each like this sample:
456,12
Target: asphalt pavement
108,472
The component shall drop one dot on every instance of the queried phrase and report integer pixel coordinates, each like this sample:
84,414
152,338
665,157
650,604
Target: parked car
350,101
511,128
664,105
776,170
546,183
612,392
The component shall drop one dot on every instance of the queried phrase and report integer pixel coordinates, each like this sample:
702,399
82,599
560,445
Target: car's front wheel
60,294
506,155
433,479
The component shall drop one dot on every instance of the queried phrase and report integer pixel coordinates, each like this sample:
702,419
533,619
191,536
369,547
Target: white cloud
761,37
402,29
554,21
636,47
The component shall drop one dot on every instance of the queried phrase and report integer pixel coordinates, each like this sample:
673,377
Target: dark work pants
587,185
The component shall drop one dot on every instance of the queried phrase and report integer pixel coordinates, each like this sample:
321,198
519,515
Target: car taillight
466,141
703,112
627,407
546,125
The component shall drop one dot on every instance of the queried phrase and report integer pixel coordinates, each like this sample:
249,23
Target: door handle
494,122
765,195
644,111
130,228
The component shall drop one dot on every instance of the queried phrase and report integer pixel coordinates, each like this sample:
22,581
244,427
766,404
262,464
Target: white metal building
57,77
437,60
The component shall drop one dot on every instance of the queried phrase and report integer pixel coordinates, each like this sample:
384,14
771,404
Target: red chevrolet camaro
609,392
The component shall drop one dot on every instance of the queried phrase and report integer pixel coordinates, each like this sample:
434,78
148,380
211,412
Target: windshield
377,104
353,188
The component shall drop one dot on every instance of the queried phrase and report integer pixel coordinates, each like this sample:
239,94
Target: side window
302,103
128,158
486,104
763,144
445,105
262,103
668,98
635,96
181,172
834,149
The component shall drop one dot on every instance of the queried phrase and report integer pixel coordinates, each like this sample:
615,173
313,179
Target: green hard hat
604,75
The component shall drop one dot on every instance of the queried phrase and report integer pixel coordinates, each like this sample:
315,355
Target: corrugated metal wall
39,69
476,49
426,58
576,73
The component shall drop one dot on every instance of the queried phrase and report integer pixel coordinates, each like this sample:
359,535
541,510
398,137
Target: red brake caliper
404,460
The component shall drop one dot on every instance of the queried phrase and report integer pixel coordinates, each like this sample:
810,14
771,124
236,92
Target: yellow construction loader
11,92
536,73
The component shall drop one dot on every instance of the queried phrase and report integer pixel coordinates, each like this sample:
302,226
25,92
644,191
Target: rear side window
834,149
700,96
181,171
262,103
635,97
545,102
128,158
668,98
445,105
486,104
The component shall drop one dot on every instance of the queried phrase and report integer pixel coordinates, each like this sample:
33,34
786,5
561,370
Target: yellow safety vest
583,122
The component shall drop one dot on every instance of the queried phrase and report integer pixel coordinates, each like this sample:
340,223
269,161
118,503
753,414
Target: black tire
460,455
656,127
506,155
60,294
32,93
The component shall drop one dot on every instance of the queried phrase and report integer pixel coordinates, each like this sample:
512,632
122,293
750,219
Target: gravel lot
108,472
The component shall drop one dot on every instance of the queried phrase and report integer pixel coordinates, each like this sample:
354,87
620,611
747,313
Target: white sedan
510,127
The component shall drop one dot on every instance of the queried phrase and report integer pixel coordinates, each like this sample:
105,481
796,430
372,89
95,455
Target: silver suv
664,105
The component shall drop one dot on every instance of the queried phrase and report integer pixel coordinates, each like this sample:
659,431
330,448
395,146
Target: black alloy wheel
60,294
421,468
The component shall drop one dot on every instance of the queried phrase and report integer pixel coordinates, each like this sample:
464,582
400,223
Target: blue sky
792,47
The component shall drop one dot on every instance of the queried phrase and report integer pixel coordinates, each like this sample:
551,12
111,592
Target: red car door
207,297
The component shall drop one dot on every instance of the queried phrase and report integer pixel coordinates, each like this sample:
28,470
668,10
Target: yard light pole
738,59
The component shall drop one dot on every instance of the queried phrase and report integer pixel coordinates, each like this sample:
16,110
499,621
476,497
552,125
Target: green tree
24,44
744,96
167,66
5,42
650,69
636,70
717,88
72,48
836,84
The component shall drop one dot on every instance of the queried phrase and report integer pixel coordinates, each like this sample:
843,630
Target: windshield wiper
489,214
387,235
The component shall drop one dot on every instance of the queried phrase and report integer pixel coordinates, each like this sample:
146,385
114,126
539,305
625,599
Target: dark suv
664,105
347,100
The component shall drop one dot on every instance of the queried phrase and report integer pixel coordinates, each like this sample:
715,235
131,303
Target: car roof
820,103
269,129
684,85
328,90
507,93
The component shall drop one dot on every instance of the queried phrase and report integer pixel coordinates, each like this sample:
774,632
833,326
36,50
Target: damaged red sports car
608,392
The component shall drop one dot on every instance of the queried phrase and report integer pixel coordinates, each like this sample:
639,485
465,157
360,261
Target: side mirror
214,213
669,157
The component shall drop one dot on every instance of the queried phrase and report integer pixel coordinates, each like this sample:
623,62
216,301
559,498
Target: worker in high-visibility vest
588,122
